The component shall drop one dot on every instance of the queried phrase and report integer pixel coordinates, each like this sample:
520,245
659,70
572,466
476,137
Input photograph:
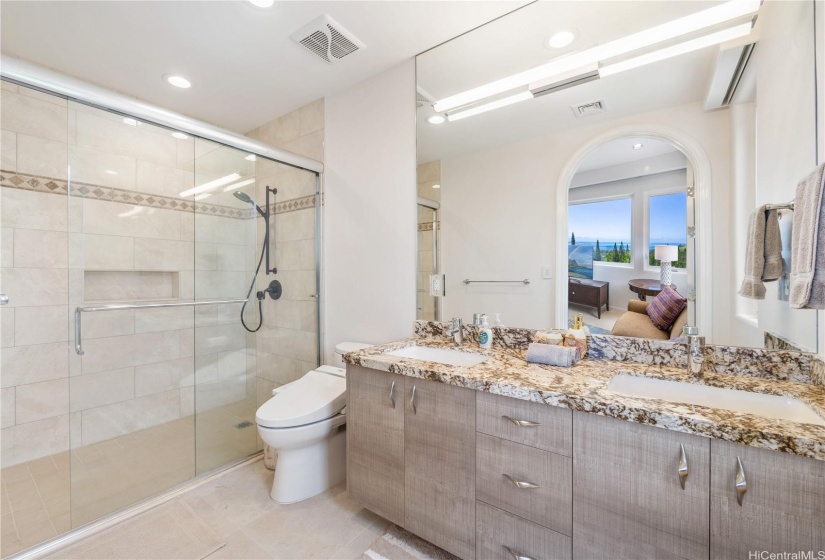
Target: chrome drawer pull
683,466
522,423
741,482
522,484
412,401
513,554
392,394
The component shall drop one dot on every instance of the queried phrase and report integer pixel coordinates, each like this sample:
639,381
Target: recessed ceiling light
638,146
180,136
177,81
436,186
250,157
436,119
561,39
262,3
111,172
131,122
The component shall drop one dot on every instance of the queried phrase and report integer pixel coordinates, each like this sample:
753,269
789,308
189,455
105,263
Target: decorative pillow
665,308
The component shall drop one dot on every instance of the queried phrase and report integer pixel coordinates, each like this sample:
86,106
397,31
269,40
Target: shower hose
260,295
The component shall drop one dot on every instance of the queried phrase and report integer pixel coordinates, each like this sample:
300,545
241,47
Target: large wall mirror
581,157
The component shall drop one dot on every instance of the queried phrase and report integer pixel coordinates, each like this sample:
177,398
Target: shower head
243,197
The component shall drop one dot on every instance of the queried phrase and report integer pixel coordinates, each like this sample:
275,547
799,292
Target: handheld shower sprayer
274,290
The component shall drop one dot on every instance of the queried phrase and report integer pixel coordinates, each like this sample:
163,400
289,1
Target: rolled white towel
552,355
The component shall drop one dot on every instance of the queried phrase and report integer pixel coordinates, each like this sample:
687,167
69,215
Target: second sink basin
439,355
767,406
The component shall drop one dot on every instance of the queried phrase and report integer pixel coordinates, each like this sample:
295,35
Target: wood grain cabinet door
439,439
628,501
375,441
782,503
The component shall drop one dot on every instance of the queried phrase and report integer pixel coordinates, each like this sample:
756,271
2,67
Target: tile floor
108,476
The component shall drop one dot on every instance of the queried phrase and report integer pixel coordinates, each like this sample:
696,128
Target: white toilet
303,422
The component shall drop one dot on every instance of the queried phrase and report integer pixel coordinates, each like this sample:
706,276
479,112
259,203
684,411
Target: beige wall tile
38,156
164,319
40,249
41,325
154,254
311,116
110,323
219,338
106,422
129,286
6,327
162,179
6,247
164,376
221,284
35,286
309,316
280,131
7,402
284,313
209,396
34,440
292,226
139,142
187,401
103,252
98,389
104,354
28,92
32,210
311,145
34,117
279,369
32,364
38,401
102,168
114,218
8,150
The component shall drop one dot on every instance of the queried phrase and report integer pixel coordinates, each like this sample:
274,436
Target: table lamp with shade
666,254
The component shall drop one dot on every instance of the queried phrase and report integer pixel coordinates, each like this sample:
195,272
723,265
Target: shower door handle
4,299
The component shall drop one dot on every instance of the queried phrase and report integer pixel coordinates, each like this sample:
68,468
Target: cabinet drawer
497,529
549,504
495,416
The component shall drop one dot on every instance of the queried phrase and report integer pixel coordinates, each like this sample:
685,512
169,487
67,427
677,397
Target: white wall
638,189
370,211
491,186
820,102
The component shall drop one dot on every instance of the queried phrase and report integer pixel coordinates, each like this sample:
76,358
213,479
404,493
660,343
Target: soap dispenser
485,334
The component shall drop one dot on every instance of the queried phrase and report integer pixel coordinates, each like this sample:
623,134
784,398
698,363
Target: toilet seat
318,395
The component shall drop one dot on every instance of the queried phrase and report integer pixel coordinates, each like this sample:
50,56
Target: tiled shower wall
428,174
288,341
125,233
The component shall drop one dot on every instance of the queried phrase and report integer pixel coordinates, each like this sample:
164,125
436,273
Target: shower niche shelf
130,285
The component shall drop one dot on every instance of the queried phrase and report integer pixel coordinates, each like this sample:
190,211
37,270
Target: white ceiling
244,68
515,42
621,151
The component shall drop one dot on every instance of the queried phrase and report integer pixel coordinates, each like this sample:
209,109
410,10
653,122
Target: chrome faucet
695,350
457,331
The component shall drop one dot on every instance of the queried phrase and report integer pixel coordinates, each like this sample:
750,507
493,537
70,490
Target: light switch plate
436,285
546,272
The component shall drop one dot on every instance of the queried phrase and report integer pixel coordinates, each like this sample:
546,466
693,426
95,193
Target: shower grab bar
78,339
468,281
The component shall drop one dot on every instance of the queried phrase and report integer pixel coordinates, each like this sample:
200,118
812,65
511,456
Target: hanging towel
774,263
552,355
752,286
808,243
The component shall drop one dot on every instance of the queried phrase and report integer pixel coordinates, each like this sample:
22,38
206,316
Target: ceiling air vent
327,39
587,109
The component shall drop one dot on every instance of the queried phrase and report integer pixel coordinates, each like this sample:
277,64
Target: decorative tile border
427,226
51,185
775,342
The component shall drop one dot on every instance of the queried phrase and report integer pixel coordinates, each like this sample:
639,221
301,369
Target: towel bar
786,206
468,281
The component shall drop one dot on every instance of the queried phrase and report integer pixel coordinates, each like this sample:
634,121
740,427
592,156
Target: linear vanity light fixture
211,185
704,19
728,34
478,109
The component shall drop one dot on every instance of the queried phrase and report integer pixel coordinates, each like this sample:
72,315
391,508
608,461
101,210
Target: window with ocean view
598,231
667,225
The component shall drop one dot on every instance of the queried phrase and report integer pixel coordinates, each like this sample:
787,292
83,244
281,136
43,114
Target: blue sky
610,221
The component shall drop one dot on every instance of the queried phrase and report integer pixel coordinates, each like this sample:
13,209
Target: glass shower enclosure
126,259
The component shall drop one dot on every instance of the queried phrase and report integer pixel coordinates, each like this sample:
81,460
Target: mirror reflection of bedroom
627,214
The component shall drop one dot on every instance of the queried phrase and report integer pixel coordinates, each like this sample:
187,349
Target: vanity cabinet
440,450
628,498
782,505
375,441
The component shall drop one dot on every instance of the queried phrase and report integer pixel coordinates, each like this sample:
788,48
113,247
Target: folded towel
808,243
552,355
752,286
774,263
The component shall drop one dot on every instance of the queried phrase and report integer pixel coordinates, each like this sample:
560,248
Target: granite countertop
583,387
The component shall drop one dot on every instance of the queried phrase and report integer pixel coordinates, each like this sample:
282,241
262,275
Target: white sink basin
767,406
439,355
